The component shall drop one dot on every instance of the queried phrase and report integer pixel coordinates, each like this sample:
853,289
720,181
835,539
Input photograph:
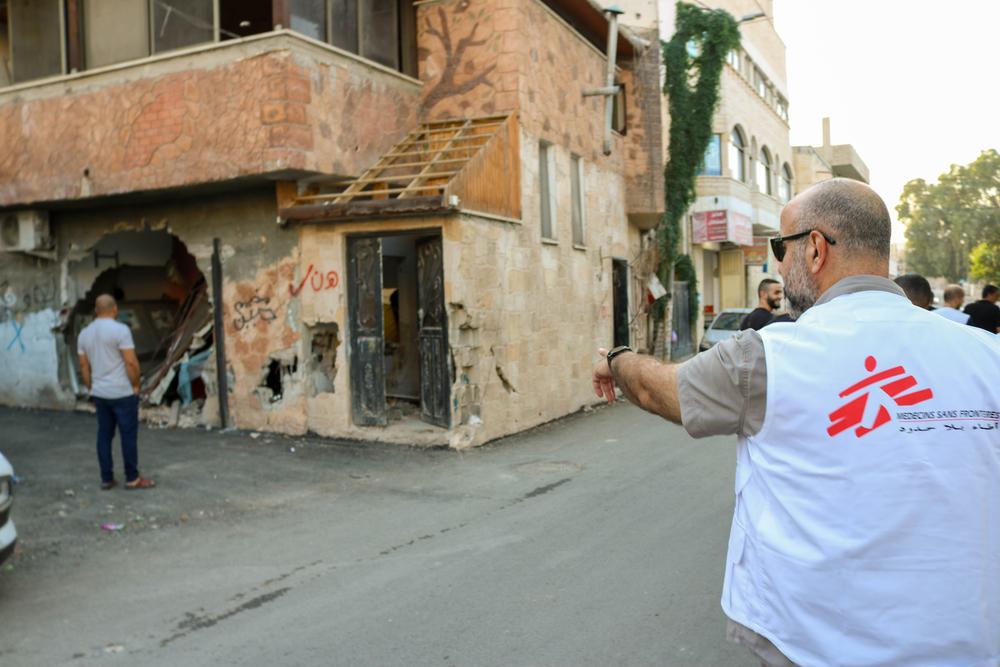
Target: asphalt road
597,540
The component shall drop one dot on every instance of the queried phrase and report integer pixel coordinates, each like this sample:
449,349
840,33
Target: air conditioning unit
25,231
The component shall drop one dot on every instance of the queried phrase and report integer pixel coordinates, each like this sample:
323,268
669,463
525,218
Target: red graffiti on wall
317,280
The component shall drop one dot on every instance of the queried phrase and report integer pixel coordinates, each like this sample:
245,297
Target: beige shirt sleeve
723,391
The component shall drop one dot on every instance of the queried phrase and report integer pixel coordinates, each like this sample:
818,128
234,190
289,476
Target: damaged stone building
370,219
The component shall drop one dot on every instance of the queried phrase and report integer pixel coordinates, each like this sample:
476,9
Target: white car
8,535
725,324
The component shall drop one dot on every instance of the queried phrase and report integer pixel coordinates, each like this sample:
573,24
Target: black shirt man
770,293
985,313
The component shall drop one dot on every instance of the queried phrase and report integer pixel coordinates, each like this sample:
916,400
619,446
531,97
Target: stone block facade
272,105
524,314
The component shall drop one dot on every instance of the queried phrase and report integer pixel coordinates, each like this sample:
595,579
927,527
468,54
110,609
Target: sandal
107,486
140,482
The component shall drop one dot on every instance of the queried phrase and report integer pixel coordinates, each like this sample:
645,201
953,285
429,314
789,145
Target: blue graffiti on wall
17,337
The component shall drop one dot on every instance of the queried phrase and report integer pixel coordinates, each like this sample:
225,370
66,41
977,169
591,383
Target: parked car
8,535
725,324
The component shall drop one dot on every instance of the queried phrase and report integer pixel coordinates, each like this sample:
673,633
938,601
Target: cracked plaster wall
258,262
30,348
264,106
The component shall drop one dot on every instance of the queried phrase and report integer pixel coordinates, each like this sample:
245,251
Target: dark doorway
240,18
619,282
400,365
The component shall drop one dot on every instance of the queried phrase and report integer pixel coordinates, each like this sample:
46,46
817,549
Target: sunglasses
778,242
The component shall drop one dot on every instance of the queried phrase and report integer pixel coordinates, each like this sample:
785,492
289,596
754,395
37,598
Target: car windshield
727,321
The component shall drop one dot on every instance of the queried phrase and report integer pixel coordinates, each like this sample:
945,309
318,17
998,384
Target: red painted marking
295,290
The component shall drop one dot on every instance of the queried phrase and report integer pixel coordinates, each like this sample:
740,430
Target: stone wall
262,322
271,104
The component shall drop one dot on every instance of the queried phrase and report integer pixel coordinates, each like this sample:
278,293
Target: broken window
36,48
115,31
241,18
180,23
380,30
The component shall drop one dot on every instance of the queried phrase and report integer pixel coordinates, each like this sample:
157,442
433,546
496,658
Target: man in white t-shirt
954,297
110,370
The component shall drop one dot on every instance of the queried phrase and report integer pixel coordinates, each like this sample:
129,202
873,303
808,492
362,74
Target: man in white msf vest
867,521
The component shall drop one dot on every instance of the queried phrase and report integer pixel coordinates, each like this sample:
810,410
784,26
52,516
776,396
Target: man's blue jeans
123,413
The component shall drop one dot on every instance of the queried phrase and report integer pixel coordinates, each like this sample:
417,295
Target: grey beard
798,303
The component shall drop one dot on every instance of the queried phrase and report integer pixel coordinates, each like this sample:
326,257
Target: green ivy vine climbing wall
694,58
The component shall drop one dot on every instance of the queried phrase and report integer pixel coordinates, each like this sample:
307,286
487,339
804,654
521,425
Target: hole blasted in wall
324,341
274,377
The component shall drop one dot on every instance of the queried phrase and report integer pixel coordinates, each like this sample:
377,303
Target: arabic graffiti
317,280
256,308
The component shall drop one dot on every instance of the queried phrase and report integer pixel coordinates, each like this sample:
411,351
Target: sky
910,83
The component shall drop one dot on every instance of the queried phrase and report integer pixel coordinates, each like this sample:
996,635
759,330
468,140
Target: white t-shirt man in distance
110,370
954,297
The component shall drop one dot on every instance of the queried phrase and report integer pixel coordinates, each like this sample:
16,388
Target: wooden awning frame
412,178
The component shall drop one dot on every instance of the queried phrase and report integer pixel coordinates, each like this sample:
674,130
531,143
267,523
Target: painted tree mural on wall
461,72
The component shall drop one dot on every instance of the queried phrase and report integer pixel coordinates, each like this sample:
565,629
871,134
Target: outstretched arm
646,382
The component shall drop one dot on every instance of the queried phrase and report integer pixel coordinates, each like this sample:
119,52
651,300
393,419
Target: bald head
105,306
851,212
954,296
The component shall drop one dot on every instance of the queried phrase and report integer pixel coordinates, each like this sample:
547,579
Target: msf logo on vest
894,383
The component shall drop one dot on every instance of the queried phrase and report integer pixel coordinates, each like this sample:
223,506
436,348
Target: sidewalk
59,507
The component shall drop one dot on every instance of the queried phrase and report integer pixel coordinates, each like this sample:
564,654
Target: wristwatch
614,352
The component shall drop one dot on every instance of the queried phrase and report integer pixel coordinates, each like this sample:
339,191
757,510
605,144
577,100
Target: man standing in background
954,296
984,313
110,370
917,289
769,295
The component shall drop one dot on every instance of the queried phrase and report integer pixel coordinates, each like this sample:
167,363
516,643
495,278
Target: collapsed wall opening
162,297
324,339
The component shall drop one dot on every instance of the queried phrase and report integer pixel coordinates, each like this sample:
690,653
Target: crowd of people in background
984,313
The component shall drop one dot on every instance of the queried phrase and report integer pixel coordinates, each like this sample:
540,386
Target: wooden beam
337,196
386,208
280,14
286,192
421,163
74,41
412,187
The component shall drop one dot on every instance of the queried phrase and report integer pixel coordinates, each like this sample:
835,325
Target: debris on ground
112,527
